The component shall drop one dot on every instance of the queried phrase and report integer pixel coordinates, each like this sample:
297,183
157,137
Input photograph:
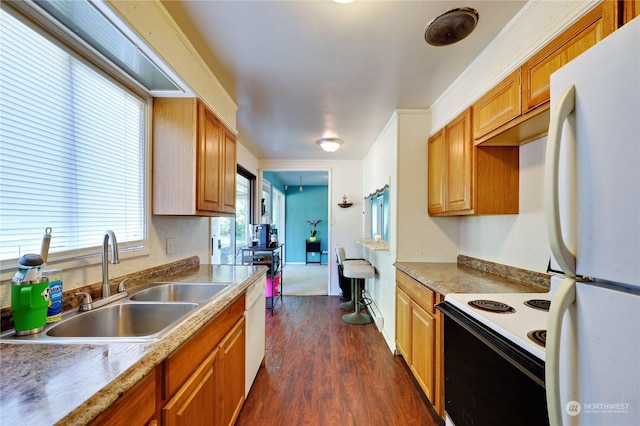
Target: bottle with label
54,311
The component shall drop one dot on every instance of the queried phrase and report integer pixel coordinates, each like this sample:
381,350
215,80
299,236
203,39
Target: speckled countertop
470,275
44,384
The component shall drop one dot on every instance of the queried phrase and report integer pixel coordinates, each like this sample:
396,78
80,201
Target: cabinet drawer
420,294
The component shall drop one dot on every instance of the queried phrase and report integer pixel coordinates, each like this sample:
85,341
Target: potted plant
312,227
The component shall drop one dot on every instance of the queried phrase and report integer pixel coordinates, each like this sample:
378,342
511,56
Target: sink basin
180,292
127,320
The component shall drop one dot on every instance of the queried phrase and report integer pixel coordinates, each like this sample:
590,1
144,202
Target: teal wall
310,204
275,182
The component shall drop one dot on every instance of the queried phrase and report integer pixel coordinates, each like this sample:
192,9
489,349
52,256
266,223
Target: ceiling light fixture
300,189
329,144
451,26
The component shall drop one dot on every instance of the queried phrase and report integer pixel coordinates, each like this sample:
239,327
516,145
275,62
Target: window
71,149
379,214
225,249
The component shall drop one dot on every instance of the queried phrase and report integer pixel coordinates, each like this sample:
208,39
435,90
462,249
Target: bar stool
341,258
357,273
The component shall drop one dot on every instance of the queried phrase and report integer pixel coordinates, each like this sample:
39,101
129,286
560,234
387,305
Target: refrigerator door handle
564,296
562,254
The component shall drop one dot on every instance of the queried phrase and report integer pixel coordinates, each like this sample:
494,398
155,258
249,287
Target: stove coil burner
492,306
538,336
541,304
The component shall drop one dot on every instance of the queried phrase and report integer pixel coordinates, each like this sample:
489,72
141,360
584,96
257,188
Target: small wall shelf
345,205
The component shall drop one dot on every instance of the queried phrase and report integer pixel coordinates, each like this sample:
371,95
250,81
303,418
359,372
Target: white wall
518,240
345,178
399,158
380,168
423,238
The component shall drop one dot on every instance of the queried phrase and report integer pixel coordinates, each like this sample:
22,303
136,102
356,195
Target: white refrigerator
592,187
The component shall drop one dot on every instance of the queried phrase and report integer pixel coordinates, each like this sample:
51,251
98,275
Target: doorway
297,198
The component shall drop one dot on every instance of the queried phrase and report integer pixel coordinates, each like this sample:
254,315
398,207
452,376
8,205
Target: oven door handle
563,297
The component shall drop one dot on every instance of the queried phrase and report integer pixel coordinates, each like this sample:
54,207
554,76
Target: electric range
515,318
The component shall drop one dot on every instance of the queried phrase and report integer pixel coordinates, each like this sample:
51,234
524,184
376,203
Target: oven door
488,379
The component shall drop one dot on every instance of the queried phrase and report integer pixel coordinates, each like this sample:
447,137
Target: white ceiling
301,70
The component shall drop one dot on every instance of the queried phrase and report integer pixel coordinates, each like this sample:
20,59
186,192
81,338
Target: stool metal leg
348,306
356,317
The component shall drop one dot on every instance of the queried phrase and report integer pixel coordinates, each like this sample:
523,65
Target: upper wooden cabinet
516,110
620,12
498,106
194,160
466,179
450,167
459,164
536,72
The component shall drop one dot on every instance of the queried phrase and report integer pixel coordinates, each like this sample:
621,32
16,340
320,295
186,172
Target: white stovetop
513,326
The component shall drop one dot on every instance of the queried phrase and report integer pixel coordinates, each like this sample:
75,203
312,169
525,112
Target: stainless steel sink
180,292
145,321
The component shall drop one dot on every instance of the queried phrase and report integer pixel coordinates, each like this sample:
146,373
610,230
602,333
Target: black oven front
489,380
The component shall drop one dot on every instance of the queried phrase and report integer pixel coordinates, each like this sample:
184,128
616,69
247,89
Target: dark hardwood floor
321,371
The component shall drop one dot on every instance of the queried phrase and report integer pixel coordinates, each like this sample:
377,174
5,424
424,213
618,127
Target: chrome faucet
88,303
106,290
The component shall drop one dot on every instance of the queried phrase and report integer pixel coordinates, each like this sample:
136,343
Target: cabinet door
422,349
500,105
209,157
230,386
229,173
459,164
193,404
536,72
403,328
436,165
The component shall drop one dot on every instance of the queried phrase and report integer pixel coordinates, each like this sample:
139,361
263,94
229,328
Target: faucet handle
87,301
121,287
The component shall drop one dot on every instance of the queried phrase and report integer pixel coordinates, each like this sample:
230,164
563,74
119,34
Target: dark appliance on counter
263,234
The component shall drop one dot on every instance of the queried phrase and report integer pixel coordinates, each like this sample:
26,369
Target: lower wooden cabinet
230,380
193,403
200,383
419,336
214,393
136,407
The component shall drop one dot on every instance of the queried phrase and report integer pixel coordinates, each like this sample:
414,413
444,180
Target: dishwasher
255,308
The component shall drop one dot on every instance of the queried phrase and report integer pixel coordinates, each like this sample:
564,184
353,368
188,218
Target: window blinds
71,149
